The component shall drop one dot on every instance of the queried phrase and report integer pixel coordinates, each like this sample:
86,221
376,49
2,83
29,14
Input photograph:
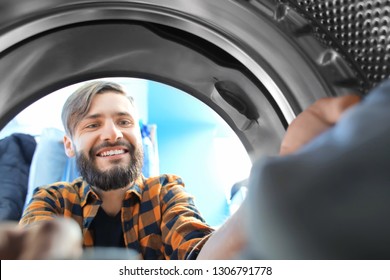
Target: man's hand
54,239
317,118
228,241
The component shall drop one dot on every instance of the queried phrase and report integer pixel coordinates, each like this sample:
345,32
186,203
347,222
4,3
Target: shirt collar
86,192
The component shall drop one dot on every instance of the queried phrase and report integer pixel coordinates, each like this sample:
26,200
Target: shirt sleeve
184,231
193,255
45,205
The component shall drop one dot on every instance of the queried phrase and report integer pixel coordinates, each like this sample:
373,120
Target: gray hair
78,104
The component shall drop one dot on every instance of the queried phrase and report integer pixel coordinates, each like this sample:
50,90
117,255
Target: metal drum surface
256,63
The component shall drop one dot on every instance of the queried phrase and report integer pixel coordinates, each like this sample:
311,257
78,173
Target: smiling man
116,206
113,203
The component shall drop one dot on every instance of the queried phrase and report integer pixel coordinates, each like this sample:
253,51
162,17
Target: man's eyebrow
124,114
92,117
96,116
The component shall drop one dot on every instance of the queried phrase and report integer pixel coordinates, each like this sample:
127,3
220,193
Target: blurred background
188,139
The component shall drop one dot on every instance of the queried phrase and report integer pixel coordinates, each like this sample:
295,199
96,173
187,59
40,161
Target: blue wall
186,129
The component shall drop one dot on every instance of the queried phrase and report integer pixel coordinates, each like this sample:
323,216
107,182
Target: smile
112,153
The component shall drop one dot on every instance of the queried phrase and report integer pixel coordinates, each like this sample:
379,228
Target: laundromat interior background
190,140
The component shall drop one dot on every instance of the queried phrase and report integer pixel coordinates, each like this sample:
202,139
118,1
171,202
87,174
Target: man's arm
43,206
183,229
228,241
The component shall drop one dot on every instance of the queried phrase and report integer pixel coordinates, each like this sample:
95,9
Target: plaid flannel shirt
159,219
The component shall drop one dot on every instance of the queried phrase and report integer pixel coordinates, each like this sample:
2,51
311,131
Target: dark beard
116,177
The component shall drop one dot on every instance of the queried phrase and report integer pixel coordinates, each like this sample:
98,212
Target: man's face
107,143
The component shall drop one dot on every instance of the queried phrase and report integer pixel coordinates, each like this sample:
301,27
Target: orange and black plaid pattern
159,219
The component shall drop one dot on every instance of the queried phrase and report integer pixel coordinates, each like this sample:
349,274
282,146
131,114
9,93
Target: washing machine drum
257,63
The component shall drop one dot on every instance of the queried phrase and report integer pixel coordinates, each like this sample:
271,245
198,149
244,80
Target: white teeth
112,152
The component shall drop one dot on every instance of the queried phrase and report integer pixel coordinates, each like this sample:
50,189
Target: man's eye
92,125
125,122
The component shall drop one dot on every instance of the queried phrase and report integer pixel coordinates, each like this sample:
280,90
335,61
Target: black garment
107,230
16,153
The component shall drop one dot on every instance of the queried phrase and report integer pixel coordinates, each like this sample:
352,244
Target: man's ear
68,145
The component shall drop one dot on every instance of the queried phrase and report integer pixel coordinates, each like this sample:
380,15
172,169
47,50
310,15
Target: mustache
123,143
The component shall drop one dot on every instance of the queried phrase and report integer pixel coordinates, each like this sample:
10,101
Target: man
112,202
158,218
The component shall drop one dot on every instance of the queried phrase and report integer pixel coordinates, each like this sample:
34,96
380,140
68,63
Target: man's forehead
110,105
112,102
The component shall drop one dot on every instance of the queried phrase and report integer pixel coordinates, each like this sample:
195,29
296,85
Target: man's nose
111,132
